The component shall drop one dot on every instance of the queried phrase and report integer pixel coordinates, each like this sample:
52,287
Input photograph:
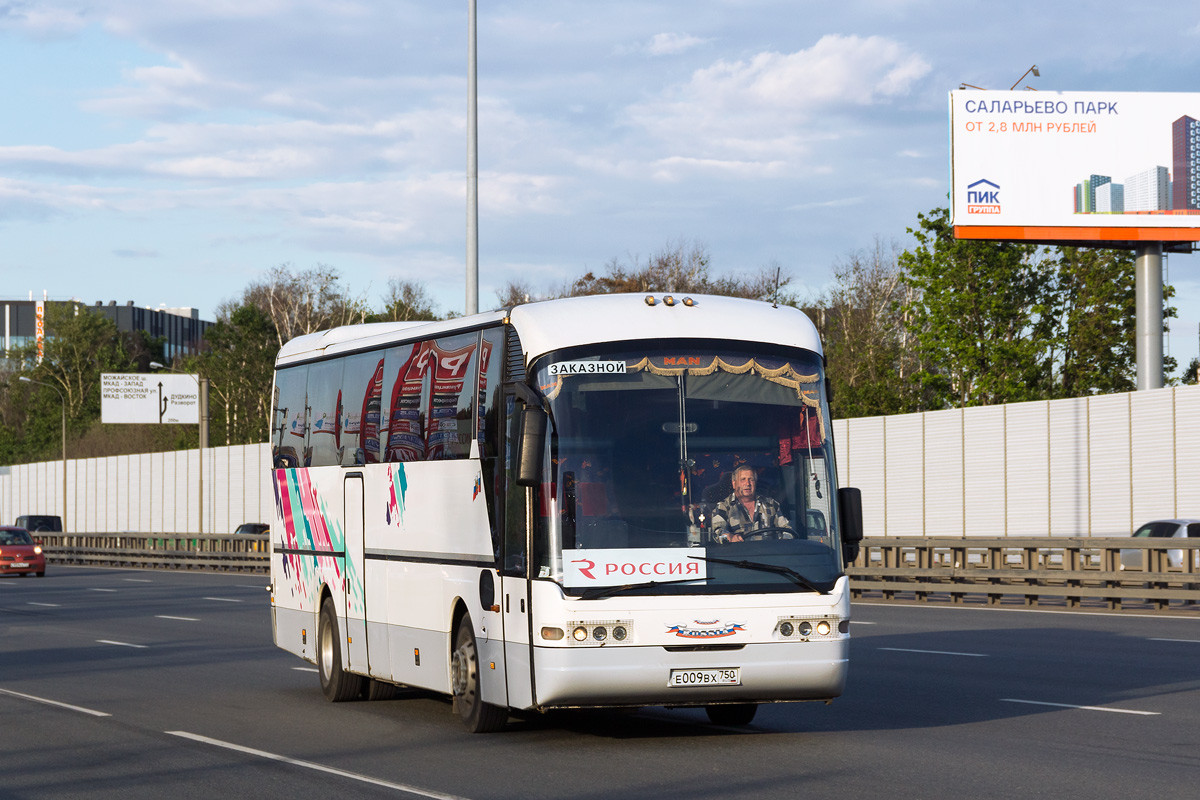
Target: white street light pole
202,386
63,401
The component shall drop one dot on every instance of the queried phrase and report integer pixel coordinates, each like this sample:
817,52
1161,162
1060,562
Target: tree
680,267
863,320
406,301
79,346
981,317
304,302
239,361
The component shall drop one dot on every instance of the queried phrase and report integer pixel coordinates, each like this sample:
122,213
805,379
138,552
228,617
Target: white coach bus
606,501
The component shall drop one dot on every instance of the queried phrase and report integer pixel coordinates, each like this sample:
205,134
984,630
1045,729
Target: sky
172,153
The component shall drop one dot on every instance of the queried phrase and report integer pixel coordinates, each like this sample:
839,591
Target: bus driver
743,514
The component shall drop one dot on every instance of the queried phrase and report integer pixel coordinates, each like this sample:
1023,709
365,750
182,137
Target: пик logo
983,197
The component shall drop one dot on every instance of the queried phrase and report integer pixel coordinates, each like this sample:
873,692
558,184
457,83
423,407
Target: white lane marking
860,622
933,652
138,580
101,590
184,619
223,599
1189,641
122,644
1085,708
305,669
260,587
318,767
45,605
68,706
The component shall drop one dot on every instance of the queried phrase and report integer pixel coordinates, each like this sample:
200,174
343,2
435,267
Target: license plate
19,565
724,676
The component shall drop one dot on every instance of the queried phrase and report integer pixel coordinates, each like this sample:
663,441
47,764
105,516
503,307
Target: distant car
253,527
1164,529
40,523
19,553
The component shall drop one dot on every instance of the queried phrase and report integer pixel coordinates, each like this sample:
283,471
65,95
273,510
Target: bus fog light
823,628
553,634
619,633
579,633
786,628
600,633
805,628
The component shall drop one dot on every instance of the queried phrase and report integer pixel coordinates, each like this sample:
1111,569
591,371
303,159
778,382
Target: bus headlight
799,628
600,631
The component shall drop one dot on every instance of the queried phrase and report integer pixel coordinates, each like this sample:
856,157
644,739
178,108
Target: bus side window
288,420
403,385
362,389
450,406
324,412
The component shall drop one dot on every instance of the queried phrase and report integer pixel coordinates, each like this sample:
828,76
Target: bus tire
731,714
477,716
337,684
379,690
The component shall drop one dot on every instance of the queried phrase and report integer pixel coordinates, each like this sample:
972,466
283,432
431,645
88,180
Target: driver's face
743,485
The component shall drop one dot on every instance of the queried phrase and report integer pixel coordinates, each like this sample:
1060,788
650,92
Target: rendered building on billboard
1110,198
1148,190
1185,151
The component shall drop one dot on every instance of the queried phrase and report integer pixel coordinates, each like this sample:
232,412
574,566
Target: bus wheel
337,684
733,714
379,690
478,716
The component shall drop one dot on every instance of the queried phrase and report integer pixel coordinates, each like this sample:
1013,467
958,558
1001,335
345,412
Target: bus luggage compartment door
353,597
514,600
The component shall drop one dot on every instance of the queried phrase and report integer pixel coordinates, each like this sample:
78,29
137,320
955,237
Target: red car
19,553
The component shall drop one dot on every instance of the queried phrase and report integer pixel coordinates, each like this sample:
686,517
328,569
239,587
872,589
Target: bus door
353,598
514,579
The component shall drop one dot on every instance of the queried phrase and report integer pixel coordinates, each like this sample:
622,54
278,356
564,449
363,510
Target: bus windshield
689,470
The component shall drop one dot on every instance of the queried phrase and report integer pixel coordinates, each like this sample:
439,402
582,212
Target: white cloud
40,20
672,44
779,103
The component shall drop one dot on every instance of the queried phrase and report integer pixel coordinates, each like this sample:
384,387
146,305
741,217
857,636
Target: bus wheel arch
336,684
477,715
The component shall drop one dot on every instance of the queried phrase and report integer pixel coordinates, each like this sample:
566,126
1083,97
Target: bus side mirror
531,442
850,516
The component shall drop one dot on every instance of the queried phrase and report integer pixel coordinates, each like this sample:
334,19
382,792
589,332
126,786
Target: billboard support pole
1149,290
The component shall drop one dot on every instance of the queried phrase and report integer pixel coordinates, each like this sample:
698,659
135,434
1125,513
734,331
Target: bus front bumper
641,675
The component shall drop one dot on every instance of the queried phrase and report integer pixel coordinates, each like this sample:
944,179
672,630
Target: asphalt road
137,684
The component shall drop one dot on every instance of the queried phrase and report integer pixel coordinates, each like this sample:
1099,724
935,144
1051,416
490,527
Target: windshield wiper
787,572
604,591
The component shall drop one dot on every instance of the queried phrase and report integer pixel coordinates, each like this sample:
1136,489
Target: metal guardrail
1163,573
219,552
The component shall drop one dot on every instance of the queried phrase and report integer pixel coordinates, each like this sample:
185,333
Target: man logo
983,197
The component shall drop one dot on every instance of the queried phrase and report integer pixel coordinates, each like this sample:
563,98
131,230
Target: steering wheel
775,532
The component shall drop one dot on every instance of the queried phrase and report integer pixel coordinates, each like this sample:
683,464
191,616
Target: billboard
1103,167
149,399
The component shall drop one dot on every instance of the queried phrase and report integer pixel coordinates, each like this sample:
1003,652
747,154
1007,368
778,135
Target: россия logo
983,197
711,629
